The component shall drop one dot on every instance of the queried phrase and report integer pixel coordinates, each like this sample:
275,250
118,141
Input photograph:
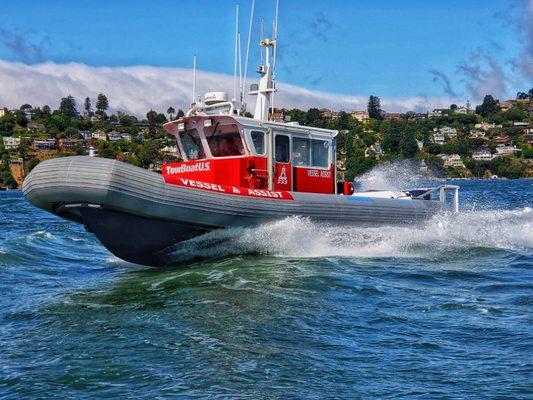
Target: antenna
241,95
275,34
248,44
275,37
193,80
236,51
261,32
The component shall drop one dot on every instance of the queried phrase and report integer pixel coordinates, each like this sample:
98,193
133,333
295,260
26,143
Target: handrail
442,194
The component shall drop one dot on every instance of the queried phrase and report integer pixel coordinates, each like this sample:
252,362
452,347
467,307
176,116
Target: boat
235,171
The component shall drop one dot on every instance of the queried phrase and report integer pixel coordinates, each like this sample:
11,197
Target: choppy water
286,310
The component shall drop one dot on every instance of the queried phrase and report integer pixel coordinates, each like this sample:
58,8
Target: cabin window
258,139
282,146
319,153
224,141
192,144
301,152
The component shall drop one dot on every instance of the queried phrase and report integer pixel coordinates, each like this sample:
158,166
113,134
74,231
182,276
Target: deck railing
442,194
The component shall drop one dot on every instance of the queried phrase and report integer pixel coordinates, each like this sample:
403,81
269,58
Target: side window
258,139
319,153
301,152
282,145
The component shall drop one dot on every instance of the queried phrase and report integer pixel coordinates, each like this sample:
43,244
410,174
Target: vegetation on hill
362,143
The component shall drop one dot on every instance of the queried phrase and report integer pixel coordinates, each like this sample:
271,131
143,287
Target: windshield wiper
213,134
192,137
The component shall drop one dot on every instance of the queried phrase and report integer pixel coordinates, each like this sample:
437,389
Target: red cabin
243,152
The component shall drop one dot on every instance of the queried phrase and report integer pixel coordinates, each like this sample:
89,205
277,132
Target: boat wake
445,235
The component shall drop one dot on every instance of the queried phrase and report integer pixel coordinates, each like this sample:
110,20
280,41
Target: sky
412,54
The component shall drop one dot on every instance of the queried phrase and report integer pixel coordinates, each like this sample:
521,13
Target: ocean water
291,309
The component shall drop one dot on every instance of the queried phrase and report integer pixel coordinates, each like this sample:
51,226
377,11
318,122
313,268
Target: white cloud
137,89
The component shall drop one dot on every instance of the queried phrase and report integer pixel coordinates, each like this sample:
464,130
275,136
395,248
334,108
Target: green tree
148,154
374,108
408,145
67,107
20,118
170,112
180,113
488,107
151,117
87,105
101,105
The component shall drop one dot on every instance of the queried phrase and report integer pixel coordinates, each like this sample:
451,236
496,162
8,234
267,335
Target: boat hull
139,217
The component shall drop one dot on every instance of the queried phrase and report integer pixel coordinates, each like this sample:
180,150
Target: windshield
192,146
224,141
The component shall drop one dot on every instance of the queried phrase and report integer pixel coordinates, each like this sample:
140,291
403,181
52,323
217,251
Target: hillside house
35,127
450,132
86,135
44,144
11,143
504,150
439,138
475,134
113,136
69,144
501,140
326,113
374,150
482,155
485,126
361,116
452,160
99,135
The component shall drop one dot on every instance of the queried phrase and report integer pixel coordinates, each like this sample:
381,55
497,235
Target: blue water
286,310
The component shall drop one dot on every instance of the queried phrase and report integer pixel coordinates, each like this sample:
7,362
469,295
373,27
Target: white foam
299,237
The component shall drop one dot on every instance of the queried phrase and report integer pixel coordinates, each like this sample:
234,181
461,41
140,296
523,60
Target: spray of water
442,236
399,175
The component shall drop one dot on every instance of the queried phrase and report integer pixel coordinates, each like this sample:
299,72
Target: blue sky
389,48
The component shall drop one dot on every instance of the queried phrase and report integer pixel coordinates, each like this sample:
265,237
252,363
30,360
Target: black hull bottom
132,238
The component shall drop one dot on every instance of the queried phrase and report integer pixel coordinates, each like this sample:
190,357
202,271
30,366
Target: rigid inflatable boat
235,172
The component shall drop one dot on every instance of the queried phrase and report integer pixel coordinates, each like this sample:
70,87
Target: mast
266,88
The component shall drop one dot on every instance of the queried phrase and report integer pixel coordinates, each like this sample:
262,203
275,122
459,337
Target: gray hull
139,217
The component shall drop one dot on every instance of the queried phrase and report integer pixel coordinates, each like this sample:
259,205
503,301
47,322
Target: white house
504,150
485,126
451,132
439,138
452,160
100,135
11,143
360,115
113,136
482,155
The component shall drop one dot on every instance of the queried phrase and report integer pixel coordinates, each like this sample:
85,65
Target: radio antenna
275,37
248,45
241,94
236,51
193,80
